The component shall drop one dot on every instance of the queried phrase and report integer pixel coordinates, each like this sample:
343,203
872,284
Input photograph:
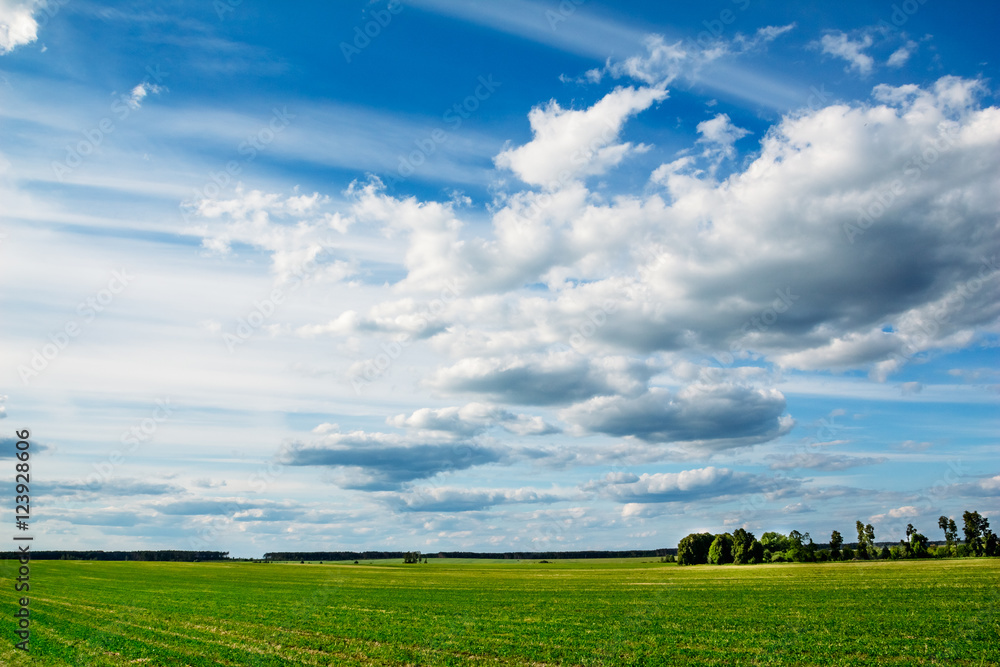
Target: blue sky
526,275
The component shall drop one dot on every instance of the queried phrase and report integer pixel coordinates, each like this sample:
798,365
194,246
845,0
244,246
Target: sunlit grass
449,612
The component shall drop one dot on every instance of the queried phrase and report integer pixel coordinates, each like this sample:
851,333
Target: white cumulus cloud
840,45
572,143
18,25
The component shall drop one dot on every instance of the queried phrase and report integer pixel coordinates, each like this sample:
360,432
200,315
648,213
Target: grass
460,612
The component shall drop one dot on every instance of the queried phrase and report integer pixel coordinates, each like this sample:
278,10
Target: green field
452,612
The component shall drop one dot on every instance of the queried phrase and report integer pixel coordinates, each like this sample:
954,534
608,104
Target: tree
801,548
866,540
693,549
918,545
836,541
774,542
975,530
909,531
720,552
756,552
809,548
992,544
848,553
950,530
743,547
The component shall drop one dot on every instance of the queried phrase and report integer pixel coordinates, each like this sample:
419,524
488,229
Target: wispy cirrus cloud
823,462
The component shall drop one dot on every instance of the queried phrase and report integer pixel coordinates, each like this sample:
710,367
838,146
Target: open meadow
457,612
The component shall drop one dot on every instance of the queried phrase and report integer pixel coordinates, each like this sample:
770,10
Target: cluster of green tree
979,540
741,547
168,556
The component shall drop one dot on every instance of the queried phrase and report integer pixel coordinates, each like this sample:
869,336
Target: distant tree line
161,556
332,555
555,555
513,555
742,547
197,556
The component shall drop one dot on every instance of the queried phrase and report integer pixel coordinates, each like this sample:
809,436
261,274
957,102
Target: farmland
454,612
